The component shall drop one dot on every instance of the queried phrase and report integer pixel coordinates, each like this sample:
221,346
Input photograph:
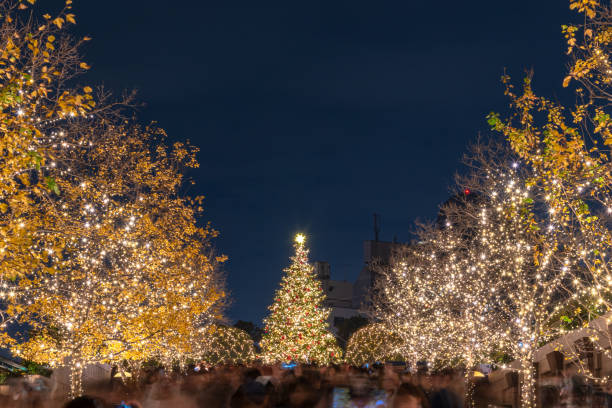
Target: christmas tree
297,328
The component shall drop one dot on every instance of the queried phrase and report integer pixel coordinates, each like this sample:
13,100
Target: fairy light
488,284
215,345
373,343
297,327
123,287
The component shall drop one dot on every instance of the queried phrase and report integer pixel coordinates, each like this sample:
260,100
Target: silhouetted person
85,402
409,396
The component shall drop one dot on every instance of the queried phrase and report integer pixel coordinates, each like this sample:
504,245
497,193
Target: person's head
436,380
549,397
302,393
423,380
250,395
313,376
388,381
250,374
359,384
85,402
408,396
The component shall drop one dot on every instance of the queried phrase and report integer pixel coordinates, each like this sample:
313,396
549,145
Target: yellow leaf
588,32
84,65
32,1
86,38
46,16
70,18
566,81
51,38
58,22
87,89
22,6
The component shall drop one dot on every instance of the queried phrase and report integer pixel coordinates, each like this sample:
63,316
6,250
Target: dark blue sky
313,115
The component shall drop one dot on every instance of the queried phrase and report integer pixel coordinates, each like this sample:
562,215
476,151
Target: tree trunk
76,375
469,388
528,382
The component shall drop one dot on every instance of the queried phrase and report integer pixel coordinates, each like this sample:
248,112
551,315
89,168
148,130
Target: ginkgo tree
114,265
132,256
568,147
35,65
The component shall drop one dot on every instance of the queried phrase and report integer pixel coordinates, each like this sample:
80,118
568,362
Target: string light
297,327
113,266
495,283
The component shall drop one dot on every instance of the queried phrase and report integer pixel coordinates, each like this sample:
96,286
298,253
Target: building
347,299
374,252
339,295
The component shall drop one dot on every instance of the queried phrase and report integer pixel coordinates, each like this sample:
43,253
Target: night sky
311,116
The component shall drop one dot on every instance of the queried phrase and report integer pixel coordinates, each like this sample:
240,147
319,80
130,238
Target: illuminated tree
525,251
373,343
226,345
521,254
409,303
35,64
297,327
253,331
494,276
431,293
347,327
135,275
590,55
103,259
568,148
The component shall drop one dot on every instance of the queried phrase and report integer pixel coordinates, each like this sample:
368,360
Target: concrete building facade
347,299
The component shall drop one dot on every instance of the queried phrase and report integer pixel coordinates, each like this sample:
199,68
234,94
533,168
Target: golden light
300,238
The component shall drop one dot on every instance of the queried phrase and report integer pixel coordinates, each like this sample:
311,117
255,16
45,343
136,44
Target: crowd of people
264,387
298,387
